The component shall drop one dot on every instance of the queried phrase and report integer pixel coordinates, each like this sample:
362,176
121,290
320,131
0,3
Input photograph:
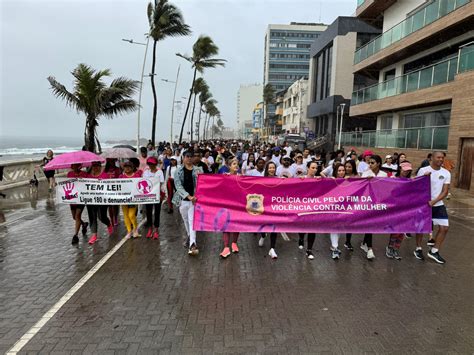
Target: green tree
210,108
204,96
165,20
94,98
204,49
199,86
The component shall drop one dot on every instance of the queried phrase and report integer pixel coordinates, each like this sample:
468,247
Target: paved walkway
151,297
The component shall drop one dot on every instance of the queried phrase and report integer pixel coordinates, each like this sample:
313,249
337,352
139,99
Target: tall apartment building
295,103
286,57
331,80
423,63
247,97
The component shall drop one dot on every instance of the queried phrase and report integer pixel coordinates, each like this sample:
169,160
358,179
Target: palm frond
185,57
60,91
120,108
166,20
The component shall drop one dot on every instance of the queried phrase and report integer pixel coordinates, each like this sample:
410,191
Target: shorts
75,207
49,174
440,216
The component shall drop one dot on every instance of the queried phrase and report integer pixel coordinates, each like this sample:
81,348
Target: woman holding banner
98,212
130,211
76,209
113,172
312,169
153,224
233,165
351,172
375,163
392,251
339,172
270,171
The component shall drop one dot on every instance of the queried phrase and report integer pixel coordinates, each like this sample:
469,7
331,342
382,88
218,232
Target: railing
432,75
407,138
318,142
436,10
18,173
466,58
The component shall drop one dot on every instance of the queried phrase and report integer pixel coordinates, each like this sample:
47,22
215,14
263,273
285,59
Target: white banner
108,192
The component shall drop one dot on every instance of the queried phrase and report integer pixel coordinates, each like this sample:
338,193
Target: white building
247,97
295,103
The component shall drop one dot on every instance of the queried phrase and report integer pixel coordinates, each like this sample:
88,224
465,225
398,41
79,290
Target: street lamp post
141,83
174,100
342,106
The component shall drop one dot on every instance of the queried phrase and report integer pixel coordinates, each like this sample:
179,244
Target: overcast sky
41,38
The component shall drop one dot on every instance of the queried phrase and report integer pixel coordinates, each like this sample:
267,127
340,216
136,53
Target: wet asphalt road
152,297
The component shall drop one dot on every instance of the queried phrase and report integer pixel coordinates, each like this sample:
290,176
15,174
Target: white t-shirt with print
254,172
284,172
299,170
438,178
370,173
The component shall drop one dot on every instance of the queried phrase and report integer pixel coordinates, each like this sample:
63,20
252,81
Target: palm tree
212,112
165,20
268,98
203,51
210,106
204,96
199,86
93,97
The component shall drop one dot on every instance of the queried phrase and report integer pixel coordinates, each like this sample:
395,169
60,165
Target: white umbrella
119,153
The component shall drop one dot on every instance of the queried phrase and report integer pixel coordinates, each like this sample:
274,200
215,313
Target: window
386,122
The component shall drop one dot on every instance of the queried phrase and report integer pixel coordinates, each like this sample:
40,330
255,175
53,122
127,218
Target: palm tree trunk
153,89
212,129
192,117
204,128
90,138
187,107
199,122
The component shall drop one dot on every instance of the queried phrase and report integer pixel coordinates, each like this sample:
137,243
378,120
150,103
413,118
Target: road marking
54,309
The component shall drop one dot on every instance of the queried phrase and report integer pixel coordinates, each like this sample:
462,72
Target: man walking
440,179
185,181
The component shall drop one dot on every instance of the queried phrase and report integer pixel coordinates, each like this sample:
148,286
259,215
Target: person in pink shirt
113,172
142,158
76,209
98,212
130,211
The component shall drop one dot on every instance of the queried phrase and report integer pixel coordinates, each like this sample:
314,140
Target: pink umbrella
64,161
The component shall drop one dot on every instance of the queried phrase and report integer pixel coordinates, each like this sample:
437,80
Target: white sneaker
300,247
273,253
261,241
364,247
370,254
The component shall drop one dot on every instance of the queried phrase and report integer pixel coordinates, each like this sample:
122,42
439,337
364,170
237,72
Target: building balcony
418,88
435,23
371,9
429,138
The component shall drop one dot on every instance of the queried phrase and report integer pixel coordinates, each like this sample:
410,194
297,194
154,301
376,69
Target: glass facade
423,17
323,64
432,75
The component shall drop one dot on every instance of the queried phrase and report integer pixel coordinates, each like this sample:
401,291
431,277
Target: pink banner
255,204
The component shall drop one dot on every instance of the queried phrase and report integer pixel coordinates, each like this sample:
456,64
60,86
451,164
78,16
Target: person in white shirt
306,157
153,224
329,170
208,159
375,163
363,164
440,180
389,163
288,148
285,170
259,168
276,156
248,164
299,167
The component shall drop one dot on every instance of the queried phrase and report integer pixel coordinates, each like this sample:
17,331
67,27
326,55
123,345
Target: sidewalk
152,297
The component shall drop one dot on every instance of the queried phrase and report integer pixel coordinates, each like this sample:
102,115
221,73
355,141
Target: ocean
20,148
